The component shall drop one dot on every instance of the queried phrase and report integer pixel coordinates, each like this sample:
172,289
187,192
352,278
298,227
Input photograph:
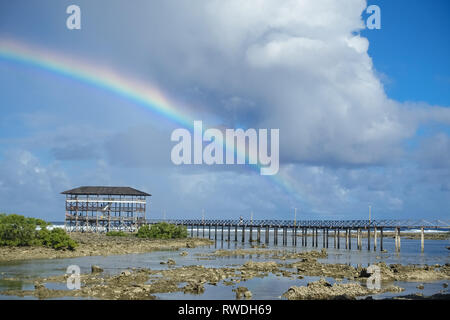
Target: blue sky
412,50
363,114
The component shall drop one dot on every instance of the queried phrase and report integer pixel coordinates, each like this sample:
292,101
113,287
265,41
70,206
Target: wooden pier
302,230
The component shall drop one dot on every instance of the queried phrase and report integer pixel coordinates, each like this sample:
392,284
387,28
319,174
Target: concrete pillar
359,239
327,237
275,235
229,232
267,234
258,235
317,237
303,236
198,229
381,239
323,237
243,233
251,233
192,230
422,239
335,239
221,237
346,238
375,239
396,238
350,239
203,231
209,231
306,237
295,235
368,238
235,232
215,232
285,236
339,238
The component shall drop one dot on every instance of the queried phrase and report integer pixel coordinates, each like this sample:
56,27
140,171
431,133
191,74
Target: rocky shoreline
147,283
95,244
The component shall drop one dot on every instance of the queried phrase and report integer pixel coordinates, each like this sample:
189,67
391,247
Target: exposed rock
194,287
242,292
96,269
324,290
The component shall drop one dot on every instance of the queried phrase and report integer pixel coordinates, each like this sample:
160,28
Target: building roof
123,191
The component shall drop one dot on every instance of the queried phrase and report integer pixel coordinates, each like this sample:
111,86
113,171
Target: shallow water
271,287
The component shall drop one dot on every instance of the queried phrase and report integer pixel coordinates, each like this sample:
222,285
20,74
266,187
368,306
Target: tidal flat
128,268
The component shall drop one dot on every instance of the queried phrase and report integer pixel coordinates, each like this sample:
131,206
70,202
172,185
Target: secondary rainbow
138,92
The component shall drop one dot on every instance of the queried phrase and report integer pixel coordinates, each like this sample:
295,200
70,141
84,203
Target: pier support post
335,238
323,237
350,238
327,237
275,235
381,239
267,234
295,236
235,232
346,238
368,238
317,237
221,237
215,232
198,230
251,233
229,232
258,235
192,230
397,239
209,231
314,237
359,239
203,231
375,239
243,233
422,239
306,237
303,237
339,238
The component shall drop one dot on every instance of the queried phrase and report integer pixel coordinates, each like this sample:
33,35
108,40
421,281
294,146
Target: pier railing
382,223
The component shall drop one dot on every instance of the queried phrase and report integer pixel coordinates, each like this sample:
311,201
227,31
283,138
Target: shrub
116,234
162,230
56,238
17,230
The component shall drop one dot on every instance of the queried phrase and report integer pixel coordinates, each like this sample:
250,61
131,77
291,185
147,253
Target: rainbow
137,92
